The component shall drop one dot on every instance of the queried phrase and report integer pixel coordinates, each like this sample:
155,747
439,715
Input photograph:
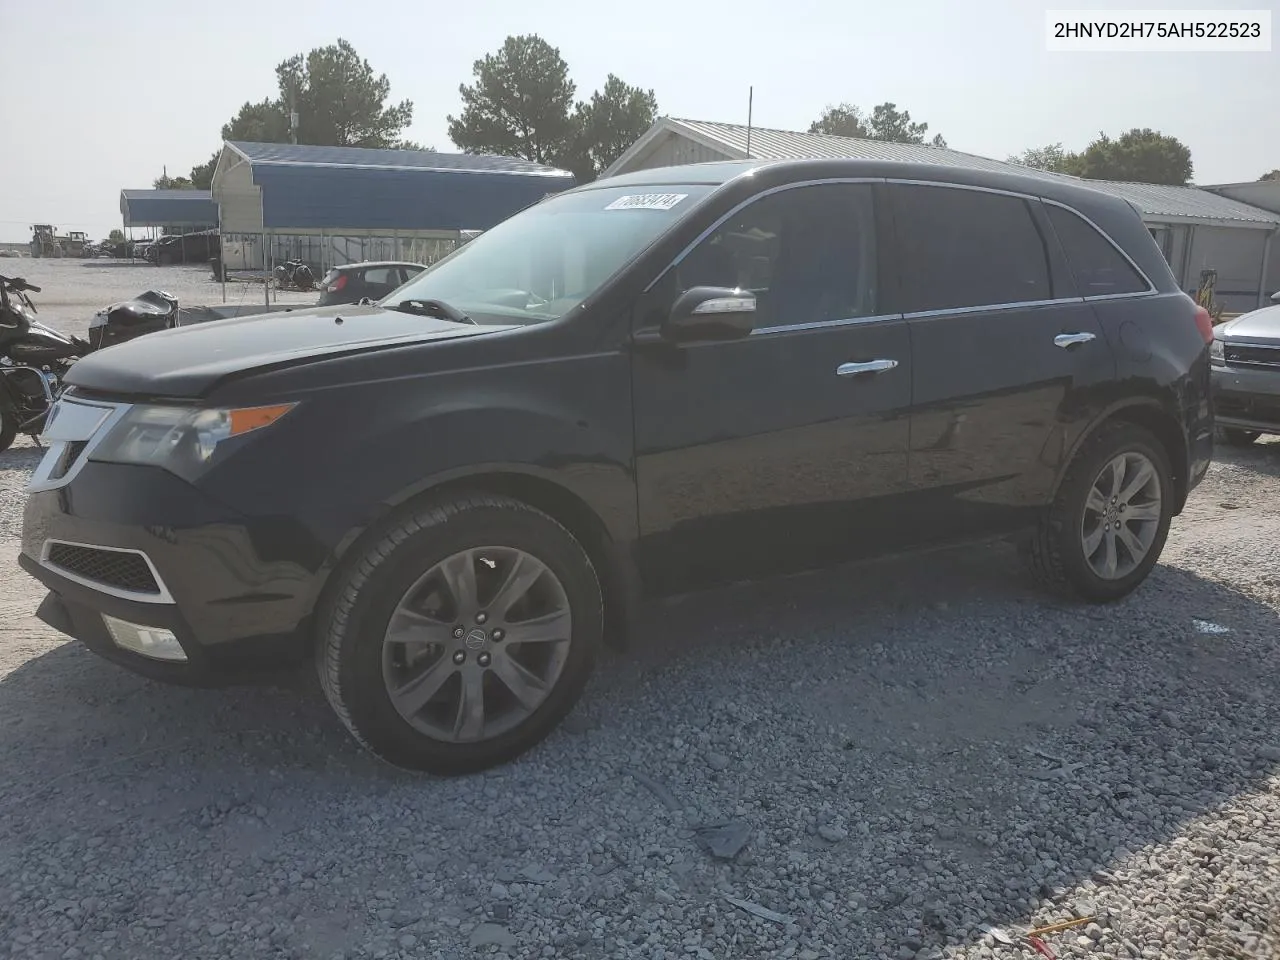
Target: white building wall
1236,254
674,151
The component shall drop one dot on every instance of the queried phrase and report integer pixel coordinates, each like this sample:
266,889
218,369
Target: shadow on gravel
921,746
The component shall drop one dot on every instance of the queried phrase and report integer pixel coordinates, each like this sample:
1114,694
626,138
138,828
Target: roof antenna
751,92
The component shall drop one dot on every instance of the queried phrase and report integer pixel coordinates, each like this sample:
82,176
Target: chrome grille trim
74,426
162,596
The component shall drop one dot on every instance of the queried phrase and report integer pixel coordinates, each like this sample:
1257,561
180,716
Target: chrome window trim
992,308
823,324
41,479
163,597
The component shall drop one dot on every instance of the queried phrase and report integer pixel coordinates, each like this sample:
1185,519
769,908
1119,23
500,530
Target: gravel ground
73,290
924,756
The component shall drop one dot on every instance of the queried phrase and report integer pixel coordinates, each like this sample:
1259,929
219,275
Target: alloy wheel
1121,515
477,644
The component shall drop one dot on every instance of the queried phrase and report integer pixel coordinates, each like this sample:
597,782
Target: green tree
1052,158
339,100
166,182
842,120
1273,175
885,122
1139,155
519,104
116,236
607,124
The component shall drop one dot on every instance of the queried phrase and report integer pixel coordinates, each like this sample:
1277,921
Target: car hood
188,361
1261,324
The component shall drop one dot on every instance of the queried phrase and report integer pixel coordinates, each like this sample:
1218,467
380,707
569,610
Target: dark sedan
1246,375
352,282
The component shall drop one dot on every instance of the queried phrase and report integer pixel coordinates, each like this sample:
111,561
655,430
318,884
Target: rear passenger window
1098,266
968,248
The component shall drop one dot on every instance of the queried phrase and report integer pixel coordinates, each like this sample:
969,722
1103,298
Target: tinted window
808,254
968,248
382,276
1098,266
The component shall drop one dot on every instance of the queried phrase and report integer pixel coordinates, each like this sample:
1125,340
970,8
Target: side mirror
1275,297
711,313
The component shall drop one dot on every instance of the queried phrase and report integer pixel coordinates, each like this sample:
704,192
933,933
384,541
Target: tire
1056,552
8,427
356,674
1240,438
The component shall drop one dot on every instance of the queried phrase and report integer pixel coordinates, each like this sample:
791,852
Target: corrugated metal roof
297,154
168,208
336,188
1173,203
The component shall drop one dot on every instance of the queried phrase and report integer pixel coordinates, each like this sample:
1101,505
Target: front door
785,449
1004,352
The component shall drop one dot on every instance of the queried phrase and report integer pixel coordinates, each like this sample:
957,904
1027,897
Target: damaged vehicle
450,500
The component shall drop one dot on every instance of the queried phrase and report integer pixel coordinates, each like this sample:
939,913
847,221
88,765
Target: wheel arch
1152,415
608,550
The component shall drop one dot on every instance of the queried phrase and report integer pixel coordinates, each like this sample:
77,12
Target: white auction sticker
647,201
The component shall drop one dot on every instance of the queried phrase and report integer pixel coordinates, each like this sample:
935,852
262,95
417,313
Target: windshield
544,261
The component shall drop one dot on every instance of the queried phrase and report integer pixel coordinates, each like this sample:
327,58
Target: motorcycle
145,313
33,360
295,274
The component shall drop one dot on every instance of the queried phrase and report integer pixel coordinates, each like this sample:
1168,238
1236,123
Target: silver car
1246,375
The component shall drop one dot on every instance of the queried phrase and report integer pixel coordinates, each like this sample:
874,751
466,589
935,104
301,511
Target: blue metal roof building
330,205
296,187
191,209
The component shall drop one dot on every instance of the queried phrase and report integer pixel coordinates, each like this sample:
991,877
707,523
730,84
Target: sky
127,89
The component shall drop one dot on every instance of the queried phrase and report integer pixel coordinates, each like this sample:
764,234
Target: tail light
1204,323
337,284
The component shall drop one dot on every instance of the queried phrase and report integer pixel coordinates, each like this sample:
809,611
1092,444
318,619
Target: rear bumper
1247,399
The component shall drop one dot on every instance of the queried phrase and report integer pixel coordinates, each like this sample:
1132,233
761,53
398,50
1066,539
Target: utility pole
751,95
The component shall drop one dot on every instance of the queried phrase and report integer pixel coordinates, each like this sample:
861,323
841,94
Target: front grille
1263,409
111,568
1251,355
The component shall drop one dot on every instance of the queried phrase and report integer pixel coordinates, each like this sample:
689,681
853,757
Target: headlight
181,439
1216,355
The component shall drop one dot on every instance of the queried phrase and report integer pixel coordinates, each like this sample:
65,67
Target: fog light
154,642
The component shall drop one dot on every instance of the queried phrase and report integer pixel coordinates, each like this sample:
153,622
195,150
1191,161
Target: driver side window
808,253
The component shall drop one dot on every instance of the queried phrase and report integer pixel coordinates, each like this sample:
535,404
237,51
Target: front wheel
461,637
1108,524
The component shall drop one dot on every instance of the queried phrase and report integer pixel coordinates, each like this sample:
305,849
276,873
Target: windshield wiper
433,308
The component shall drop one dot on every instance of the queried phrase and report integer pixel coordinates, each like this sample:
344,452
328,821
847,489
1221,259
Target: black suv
646,385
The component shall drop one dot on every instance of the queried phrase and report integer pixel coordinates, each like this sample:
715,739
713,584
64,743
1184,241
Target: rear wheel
461,638
1106,528
1240,438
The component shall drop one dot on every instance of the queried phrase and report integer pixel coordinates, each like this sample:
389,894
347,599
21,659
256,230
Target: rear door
786,449
1005,354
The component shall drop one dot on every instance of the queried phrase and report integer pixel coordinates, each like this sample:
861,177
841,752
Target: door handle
1066,340
871,366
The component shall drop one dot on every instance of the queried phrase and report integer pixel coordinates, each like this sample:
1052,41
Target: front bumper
1247,399
221,588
